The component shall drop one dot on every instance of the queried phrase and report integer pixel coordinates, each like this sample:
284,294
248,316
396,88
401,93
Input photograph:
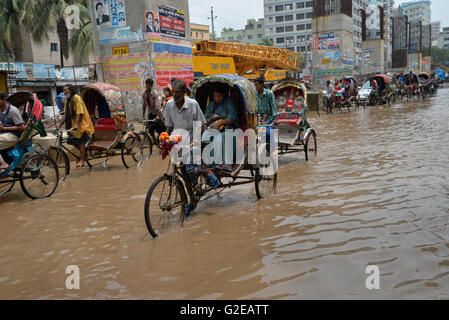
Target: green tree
82,40
11,40
266,42
227,29
440,56
42,15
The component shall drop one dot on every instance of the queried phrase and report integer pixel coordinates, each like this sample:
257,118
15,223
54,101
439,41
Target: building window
289,29
300,5
309,4
53,47
289,7
289,18
309,15
309,26
279,29
280,40
259,36
250,37
279,8
300,16
300,27
280,19
259,26
231,38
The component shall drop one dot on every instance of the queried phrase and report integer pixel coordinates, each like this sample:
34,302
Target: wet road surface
378,193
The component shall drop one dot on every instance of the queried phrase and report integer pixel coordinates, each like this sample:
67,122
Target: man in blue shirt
11,128
266,106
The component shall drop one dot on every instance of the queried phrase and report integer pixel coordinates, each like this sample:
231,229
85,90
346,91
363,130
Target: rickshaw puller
181,113
77,119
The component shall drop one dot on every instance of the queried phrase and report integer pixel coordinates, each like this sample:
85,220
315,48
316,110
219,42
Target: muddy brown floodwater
378,193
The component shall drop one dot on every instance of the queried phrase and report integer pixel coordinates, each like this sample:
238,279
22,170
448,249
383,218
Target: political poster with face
172,22
102,14
152,22
118,14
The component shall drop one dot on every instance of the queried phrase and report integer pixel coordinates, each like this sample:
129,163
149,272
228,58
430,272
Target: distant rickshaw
113,135
295,133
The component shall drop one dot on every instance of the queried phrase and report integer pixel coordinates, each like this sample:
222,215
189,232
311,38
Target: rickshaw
386,93
113,136
399,81
426,84
37,173
294,132
412,86
347,96
166,201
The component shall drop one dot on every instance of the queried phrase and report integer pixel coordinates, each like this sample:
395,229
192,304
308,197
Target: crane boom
250,56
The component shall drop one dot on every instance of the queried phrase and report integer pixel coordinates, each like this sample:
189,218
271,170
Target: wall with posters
333,48
373,56
125,45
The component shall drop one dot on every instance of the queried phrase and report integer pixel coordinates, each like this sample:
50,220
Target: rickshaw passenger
149,101
221,114
11,128
222,108
77,118
266,105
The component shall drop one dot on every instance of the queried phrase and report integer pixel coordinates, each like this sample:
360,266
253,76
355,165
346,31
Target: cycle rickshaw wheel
39,177
311,146
132,152
6,187
147,144
266,179
62,161
164,206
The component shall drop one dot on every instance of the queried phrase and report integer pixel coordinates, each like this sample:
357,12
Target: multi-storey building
388,6
417,11
436,27
252,34
288,24
199,32
443,41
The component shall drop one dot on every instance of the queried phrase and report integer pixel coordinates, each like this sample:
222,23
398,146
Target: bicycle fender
308,132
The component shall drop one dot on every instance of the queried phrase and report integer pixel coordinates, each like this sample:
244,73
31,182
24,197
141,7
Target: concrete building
436,28
151,39
253,33
199,32
289,24
333,41
417,11
443,41
388,6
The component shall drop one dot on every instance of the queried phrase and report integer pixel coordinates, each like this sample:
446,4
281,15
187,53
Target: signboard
172,21
172,61
120,51
120,35
72,73
333,43
326,36
30,71
324,61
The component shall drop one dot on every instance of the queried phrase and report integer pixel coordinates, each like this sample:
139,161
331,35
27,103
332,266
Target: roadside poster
152,22
172,22
118,14
333,43
102,14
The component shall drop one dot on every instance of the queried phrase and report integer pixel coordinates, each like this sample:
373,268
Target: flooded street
378,193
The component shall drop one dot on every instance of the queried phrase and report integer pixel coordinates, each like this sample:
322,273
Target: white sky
234,13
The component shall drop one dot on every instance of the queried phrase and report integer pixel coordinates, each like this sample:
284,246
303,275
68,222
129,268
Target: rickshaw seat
105,124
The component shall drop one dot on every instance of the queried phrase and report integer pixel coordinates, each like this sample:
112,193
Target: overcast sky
234,13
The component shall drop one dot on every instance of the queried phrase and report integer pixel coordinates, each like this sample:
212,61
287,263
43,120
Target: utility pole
212,18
